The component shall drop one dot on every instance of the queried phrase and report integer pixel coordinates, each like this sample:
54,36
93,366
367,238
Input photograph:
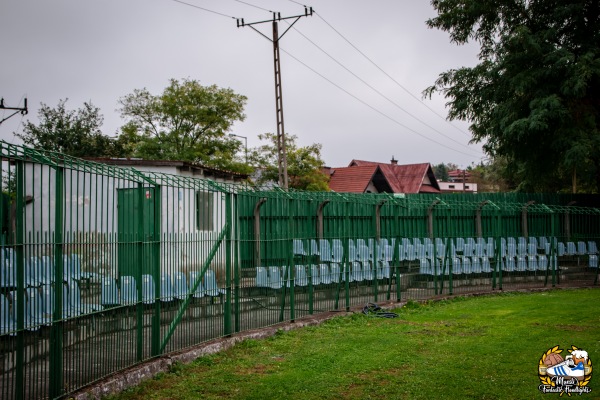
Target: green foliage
440,171
73,132
534,98
304,163
187,121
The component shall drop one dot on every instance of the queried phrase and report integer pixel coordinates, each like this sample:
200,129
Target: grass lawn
465,348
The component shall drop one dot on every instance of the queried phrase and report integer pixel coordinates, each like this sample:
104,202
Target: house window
466,187
204,211
451,186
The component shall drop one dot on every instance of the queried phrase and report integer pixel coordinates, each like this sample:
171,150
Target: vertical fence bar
56,332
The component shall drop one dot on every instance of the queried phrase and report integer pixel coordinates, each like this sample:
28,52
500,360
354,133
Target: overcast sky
101,50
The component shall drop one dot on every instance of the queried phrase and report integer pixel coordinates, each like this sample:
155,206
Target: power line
204,9
372,107
380,93
388,75
252,5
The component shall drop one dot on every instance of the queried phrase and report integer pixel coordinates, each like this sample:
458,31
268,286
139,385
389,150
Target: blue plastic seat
532,263
314,275
356,273
325,250
298,247
476,267
195,278
531,249
336,273
466,265
262,277
486,266
8,324
384,270
543,244
560,249
34,311
593,261
456,265
109,293
314,248
166,287
337,251
521,263
76,304
180,287
301,276
460,244
592,248
46,270
211,286
509,264
542,262
325,274
148,289
47,296
32,272
468,250
128,290
275,279
8,276
571,249
581,248
425,267
489,248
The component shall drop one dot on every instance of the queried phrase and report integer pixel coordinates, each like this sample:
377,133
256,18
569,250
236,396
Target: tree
440,171
304,164
534,98
72,132
186,122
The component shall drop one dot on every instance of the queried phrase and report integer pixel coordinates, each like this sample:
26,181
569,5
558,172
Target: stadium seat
180,287
128,290
211,287
200,292
262,277
8,324
148,289
109,293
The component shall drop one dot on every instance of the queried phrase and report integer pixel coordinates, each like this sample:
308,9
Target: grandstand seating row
39,301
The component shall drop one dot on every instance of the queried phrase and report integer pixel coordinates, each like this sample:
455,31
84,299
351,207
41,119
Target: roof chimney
394,161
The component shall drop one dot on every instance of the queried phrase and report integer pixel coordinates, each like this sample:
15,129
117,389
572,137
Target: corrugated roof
407,178
352,179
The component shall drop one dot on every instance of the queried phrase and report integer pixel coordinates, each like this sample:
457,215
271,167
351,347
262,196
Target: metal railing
102,268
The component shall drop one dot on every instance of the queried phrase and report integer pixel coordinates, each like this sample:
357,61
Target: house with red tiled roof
372,177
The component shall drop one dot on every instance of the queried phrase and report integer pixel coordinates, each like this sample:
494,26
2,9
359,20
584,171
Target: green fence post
20,300
236,263
228,265
156,267
56,331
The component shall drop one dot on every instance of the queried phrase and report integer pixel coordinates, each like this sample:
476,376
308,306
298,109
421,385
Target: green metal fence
102,268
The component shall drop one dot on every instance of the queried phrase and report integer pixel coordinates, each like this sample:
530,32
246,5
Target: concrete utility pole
281,152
